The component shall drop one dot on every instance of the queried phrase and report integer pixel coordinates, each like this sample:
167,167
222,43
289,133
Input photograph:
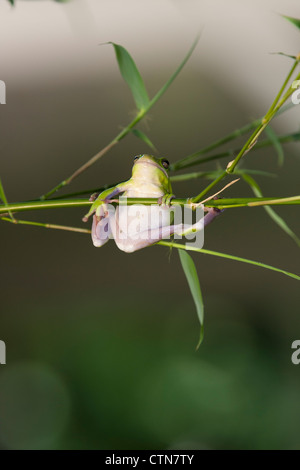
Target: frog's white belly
136,219
134,222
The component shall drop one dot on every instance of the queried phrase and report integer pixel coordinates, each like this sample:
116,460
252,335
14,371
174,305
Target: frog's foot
166,199
90,212
93,197
86,217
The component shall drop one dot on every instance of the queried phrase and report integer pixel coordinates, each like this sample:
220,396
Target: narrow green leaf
198,174
294,21
275,217
190,272
273,137
12,2
131,76
224,255
255,172
140,135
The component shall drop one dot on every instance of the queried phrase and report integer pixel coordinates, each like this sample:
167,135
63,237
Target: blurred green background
101,344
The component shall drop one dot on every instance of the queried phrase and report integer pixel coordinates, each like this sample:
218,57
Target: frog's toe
166,199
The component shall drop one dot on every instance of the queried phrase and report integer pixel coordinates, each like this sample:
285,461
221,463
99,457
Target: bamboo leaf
214,174
292,20
276,144
255,172
140,135
132,76
127,129
190,272
275,217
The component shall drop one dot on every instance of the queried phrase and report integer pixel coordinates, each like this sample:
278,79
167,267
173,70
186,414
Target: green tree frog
137,226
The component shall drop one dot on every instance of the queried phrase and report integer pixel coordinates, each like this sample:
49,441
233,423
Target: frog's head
151,169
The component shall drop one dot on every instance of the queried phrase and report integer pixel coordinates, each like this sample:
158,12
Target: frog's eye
136,157
165,163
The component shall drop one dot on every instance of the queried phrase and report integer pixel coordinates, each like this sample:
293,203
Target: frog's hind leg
183,229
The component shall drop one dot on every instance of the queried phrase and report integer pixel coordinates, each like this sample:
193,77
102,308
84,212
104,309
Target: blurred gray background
100,344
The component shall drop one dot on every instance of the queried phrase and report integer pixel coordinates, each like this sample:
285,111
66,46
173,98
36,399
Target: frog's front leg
104,197
103,215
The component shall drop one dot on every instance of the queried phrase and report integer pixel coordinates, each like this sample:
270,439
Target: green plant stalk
282,139
185,162
250,142
212,174
46,225
191,275
4,200
273,215
209,187
268,117
50,204
284,85
230,153
163,243
223,255
194,175
126,130
218,203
